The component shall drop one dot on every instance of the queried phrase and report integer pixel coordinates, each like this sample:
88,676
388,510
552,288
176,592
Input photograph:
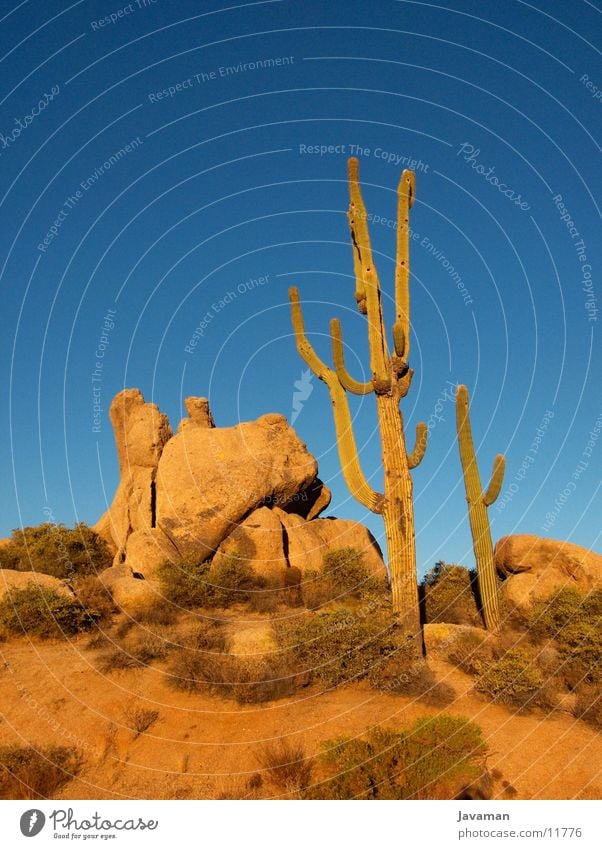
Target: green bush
233,581
192,585
572,620
248,680
56,550
95,597
436,758
340,645
450,595
513,679
38,611
185,584
30,773
469,652
405,673
342,577
588,706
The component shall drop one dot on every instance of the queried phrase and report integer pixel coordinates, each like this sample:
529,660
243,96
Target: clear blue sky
500,104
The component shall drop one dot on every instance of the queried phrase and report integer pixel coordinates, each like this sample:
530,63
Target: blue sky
156,157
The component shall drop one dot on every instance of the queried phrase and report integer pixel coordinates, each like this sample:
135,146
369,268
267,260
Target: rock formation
209,492
141,433
210,479
535,567
275,540
12,579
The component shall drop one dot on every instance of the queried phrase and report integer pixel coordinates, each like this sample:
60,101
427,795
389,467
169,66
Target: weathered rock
308,541
310,502
210,479
141,433
199,413
535,567
148,550
260,540
12,579
115,573
134,595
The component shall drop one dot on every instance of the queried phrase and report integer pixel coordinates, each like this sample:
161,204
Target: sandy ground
200,747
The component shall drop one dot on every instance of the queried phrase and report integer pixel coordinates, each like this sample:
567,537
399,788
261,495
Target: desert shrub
340,645
185,584
137,647
286,765
581,651
158,613
233,581
436,758
95,598
450,594
405,673
202,665
56,550
139,719
30,773
588,705
513,679
343,576
118,659
572,620
469,652
192,585
248,680
42,612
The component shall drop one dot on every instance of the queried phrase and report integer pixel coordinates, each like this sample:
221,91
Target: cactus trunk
478,501
390,382
398,517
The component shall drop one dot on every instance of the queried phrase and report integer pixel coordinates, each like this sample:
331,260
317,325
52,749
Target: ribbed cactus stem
497,478
415,458
356,387
360,237
390,381
348,454
401,329
477,509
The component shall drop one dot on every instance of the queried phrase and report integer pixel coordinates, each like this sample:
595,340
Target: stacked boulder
208,492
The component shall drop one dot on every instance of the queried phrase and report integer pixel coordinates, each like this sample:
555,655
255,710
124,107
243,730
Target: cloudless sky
218,188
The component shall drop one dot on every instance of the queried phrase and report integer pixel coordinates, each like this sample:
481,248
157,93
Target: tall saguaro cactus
390,382
478,502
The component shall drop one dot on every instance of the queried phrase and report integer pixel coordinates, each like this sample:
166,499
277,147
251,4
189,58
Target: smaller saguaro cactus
478,502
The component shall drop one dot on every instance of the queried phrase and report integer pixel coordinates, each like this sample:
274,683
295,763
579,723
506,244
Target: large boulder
259,539
209,479
308,541
534,567
11,579
148,550
141,432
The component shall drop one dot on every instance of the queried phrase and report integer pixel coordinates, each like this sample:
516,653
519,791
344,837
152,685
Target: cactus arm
348,454
497,478
304,346
415,458
477,510
465,443
349,383
401,329
360,289
358,222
